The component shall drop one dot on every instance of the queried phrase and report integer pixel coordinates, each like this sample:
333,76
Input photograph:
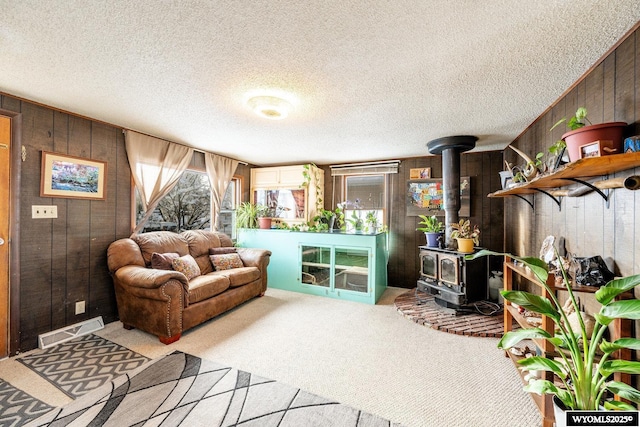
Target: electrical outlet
79,307
38,211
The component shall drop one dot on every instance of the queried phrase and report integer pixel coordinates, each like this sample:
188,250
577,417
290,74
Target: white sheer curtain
156,165
220,171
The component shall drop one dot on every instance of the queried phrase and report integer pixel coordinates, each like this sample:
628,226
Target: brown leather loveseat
176,295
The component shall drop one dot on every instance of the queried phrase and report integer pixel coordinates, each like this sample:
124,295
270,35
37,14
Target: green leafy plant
574,122
430,224
309,171
371,221
463,230
584,375
355,221
557,147
247,215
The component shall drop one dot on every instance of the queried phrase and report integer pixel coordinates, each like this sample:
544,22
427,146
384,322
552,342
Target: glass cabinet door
352,269
316,266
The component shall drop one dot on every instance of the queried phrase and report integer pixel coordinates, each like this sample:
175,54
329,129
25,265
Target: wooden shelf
581,169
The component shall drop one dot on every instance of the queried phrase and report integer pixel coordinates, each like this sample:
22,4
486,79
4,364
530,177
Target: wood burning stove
453,280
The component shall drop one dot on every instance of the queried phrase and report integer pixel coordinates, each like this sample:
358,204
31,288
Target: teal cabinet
337,265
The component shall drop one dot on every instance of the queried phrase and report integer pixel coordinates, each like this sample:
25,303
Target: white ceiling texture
368,80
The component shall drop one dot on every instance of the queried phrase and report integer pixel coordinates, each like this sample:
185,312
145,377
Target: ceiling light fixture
270,107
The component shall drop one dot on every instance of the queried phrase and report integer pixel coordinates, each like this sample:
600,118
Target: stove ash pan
451,278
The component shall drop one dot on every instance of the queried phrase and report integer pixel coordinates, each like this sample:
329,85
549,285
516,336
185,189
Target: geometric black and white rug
183,390
18,407
83,364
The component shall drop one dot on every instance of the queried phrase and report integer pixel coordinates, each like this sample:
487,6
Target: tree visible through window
186,207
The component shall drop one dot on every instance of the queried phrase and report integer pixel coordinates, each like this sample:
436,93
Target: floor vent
70,332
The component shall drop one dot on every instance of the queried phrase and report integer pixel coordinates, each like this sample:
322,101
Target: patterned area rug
184,390
83,364
18,407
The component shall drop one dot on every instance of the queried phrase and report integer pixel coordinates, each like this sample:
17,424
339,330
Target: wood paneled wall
403,268
591,226
64,260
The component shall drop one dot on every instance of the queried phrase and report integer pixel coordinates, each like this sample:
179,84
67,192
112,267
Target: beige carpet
368,357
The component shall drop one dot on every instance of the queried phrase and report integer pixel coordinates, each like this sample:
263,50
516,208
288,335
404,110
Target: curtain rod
184,145
365,164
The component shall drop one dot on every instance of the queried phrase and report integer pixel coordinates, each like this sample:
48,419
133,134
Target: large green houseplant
584,373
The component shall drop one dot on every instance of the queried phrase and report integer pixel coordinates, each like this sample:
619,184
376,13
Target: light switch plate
39,211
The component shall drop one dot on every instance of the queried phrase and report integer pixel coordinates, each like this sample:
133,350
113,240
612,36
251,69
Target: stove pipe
450,148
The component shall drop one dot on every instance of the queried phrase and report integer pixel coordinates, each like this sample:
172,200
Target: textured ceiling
371,79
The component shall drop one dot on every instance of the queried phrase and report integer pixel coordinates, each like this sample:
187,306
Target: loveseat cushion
207,286
200,241
187,266
240,276
222,250
163,261
226,261
160,242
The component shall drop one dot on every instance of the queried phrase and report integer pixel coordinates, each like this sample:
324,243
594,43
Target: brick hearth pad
422,309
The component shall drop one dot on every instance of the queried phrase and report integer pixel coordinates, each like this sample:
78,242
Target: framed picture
72,177
423,173
590,150
425,197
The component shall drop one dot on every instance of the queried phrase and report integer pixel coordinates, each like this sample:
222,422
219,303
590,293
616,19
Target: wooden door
5,163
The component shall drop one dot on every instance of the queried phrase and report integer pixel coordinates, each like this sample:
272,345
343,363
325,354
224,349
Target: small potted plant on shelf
584,375
432,228
356,222
465,235
264,217
580,133
371,222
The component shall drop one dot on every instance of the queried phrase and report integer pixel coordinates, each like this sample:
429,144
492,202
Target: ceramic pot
465,245
432,239
264,223
612,131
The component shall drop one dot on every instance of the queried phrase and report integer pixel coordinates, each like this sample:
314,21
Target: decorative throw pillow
187,266
226,261
223,250
163,261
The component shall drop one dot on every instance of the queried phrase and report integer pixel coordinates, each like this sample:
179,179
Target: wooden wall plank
36,252
59,236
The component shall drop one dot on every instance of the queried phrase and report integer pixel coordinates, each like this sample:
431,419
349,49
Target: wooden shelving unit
572,173
544,403
620,328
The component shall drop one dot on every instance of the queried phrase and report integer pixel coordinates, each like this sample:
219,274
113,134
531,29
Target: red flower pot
612,131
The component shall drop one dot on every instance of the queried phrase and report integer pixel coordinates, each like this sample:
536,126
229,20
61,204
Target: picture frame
425,197
72,177
420,173
590,150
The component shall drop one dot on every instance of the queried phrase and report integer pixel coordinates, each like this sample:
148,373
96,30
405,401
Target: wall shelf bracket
525,199
593,187
557,200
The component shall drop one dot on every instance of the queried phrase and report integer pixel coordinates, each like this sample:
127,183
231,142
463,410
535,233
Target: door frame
14,230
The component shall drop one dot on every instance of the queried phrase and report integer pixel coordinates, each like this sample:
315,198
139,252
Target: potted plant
247,215
356,222
581,134
584,374
432,228
264,216
324,220
371,222
465,235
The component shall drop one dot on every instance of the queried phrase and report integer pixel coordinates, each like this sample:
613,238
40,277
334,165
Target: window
227,214
365,193
186,207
